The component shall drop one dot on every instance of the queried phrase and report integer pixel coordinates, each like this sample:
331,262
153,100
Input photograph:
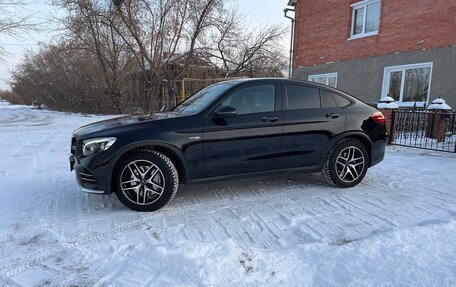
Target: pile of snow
439,104
387,103
398,227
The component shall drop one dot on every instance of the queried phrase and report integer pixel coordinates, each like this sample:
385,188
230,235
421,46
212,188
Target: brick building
405,49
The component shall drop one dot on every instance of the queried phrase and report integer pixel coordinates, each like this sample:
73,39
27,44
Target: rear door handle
270,119
332,115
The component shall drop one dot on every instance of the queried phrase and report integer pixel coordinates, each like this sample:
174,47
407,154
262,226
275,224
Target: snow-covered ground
398,227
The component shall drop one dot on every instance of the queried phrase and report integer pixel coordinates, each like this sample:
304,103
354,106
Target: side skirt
311,169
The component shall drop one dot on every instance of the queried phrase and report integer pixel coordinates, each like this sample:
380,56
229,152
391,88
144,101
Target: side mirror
225,112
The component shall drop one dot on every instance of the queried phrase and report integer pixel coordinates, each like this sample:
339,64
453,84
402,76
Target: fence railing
421,128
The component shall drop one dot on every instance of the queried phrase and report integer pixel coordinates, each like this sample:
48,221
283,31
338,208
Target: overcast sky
258,13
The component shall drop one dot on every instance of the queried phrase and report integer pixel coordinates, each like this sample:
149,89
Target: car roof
237,82
285,81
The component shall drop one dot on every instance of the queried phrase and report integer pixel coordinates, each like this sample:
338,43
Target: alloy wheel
142,182
350,164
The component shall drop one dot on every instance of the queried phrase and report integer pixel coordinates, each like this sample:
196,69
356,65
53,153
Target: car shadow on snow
253,187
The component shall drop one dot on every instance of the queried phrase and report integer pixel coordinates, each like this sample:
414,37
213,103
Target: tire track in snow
171,210
364,211
37,258
67,245
25,120
263,238
130,221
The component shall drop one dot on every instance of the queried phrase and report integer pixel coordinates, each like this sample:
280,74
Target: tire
346,164
146,180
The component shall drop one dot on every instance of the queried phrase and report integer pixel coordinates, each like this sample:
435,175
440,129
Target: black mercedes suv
232,129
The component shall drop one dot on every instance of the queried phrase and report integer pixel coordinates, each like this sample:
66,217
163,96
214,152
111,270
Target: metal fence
421,128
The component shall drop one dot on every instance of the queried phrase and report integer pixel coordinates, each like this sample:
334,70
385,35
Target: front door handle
332,115
270,119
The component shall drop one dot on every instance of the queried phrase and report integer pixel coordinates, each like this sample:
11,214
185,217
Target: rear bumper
378,152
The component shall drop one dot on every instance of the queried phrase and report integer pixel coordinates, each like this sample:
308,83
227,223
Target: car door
249,141
311,118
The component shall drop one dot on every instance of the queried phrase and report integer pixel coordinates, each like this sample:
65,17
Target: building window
365,18
325,79
408,84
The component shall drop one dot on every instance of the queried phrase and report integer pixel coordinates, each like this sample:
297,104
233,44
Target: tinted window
258,99
341,101
302,97
202,99
327,100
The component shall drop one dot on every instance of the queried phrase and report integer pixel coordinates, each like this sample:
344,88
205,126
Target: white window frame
364,5
311,78
402,68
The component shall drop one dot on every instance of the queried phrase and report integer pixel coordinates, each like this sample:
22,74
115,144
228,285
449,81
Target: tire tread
172,168
326,170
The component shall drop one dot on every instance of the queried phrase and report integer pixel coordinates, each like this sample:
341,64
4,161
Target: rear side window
327,100
302,97
341,101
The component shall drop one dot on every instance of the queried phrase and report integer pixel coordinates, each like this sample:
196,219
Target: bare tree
64,78
133,54
163,36
12,20
86,29
252,54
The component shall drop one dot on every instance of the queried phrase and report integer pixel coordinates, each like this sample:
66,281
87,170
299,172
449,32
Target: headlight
93,146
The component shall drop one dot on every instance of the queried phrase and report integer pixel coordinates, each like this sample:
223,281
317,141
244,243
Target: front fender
177,155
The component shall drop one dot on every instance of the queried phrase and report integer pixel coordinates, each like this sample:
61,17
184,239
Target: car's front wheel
346,164
146,180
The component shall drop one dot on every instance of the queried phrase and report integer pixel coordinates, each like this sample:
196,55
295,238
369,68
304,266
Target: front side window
365,18
329,79
252,100
202,99
409,84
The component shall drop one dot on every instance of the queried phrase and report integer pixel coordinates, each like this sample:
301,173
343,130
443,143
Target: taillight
378,117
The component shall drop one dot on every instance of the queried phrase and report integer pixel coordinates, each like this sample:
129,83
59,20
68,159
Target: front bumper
92,173
88,184
92,191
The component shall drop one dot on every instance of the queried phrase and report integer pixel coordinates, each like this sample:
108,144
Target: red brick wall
323,27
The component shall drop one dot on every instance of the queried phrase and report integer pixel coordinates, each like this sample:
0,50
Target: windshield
202,99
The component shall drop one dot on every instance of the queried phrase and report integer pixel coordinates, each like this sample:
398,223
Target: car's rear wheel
346,164
146,180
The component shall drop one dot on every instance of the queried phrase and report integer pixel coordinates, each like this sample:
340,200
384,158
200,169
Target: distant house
405,49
